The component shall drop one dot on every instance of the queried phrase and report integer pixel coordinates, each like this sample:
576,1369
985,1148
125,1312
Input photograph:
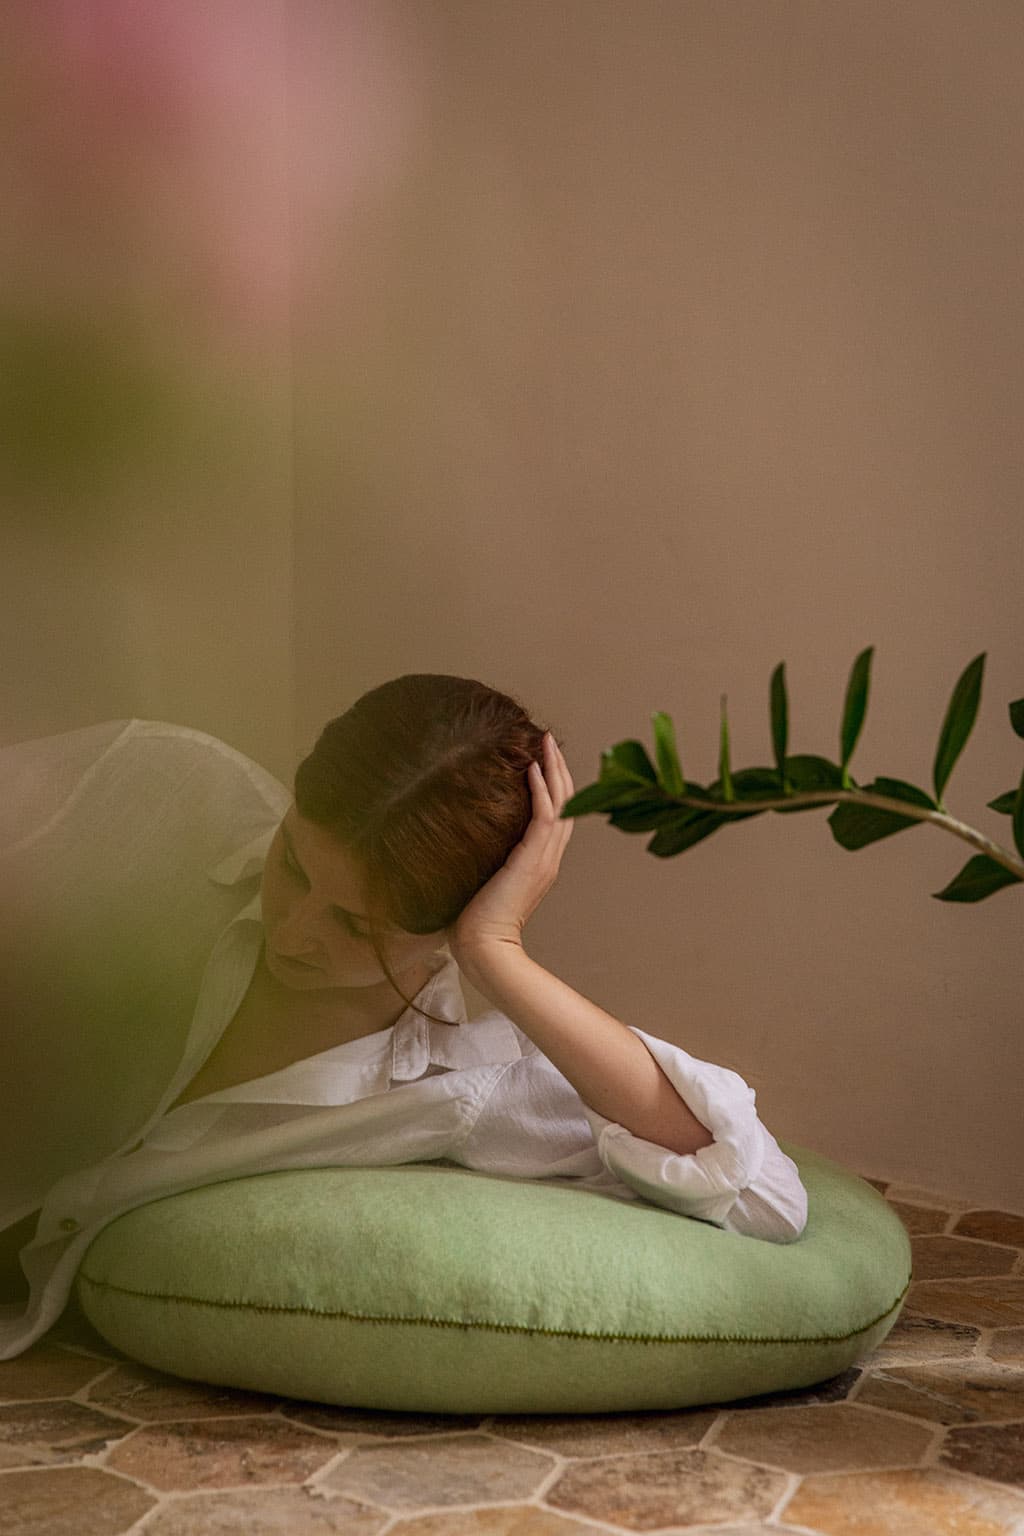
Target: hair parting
424,780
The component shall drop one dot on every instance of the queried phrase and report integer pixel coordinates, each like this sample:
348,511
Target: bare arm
610,1067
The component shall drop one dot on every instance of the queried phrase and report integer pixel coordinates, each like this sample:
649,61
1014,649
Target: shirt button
68,1224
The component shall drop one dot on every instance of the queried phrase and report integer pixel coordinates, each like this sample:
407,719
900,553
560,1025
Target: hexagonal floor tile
47,1371
449,1469
606,1433
987,1450
221,1453
992,1227
511,1520
952,1393
830,1438
920,1218
904,1503
995,1302
953,1258
924,1338
55,1431
265,1512
667,1488
1006,1346
70,1501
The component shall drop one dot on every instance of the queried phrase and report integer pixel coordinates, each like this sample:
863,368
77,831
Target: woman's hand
498,912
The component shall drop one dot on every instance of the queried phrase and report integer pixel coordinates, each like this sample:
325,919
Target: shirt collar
244,862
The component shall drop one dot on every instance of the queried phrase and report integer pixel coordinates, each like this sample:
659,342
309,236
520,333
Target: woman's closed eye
344,918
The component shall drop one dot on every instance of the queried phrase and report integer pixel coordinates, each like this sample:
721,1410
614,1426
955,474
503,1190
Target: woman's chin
307,978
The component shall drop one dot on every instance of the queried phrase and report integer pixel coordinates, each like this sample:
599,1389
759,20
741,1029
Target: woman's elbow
773,1221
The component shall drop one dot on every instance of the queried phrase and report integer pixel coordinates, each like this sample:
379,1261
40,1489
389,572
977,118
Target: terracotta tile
364,1421
512,1520
923,1338
451,1469
142,1393
920,1218
989,1450
70,1501
221,1453
760,1529
47,1371
993,1227
824,1439
265,1512
606,1433
54,1431
993,1302
834,1390
667,1488
904,1503
953,1393
953,1258
1007,1346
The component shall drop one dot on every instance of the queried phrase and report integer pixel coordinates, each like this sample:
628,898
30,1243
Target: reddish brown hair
424,781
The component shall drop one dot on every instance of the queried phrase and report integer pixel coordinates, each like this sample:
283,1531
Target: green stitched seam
563,1333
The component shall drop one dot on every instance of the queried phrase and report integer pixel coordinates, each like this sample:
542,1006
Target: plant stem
863,797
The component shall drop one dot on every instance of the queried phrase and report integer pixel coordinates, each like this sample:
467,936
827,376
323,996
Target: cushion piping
564,1333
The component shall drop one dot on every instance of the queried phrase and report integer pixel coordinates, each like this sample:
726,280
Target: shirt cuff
705,1183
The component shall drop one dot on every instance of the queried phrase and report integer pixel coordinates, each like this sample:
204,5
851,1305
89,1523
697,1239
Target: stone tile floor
925,1437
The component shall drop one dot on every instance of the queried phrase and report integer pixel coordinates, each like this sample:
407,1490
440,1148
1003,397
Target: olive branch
641,796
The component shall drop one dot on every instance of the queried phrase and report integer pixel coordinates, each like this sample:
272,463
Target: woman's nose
300,933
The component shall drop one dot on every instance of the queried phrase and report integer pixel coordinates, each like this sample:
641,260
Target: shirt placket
410,1051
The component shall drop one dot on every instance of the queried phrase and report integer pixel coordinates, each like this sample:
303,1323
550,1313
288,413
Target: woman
425,831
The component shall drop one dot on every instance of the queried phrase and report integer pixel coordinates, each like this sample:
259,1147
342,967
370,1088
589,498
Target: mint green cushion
438,1289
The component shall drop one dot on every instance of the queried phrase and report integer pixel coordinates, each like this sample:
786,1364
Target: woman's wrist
487,958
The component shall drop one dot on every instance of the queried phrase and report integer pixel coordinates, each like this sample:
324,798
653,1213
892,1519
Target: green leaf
670,774
854,826
1003,803
1018,818
751,784
959,722
980,877
645,816
806,772
690,827
604,797
780,721
728,793
854,708
1017,716
628,759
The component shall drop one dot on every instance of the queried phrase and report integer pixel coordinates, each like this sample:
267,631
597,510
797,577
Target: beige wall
672,341
637,347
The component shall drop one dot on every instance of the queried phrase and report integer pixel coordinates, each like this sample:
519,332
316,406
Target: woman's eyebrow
359,916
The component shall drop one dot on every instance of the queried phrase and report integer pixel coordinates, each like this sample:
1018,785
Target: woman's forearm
611,1069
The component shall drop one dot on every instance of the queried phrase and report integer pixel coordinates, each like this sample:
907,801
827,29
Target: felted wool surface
439,1289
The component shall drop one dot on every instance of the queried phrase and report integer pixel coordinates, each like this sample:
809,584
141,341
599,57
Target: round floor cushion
437,1289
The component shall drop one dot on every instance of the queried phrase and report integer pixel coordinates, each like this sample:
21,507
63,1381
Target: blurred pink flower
197,159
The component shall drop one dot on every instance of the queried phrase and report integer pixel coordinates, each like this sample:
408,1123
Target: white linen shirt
476,1093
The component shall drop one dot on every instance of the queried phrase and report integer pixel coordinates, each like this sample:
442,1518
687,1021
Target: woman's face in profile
314,912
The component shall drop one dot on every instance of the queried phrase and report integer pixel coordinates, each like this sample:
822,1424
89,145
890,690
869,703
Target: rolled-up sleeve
743,1181
535,1125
